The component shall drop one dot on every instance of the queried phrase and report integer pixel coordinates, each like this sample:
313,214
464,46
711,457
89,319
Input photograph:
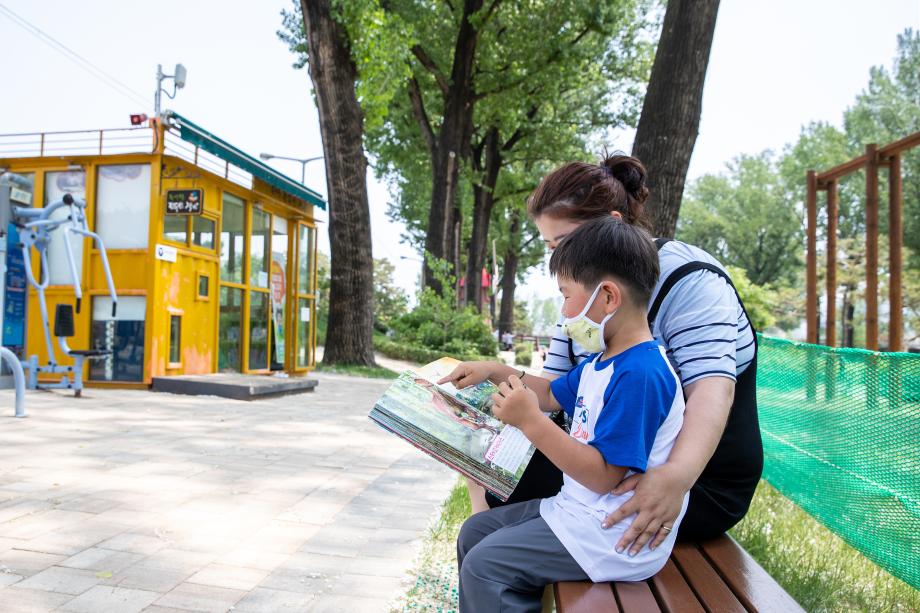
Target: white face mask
585,332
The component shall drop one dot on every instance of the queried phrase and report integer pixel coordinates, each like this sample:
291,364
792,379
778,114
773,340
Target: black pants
722,494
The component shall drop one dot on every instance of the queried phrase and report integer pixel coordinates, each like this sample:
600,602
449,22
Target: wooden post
811,274
895,243
830,323
872,247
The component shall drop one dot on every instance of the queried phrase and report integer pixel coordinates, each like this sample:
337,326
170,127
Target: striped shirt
701,324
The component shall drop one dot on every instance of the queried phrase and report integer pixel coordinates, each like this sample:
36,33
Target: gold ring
666,528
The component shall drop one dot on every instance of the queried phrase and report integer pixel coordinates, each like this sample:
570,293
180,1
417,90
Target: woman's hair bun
631,173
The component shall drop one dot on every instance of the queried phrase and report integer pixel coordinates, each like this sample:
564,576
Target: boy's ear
613,295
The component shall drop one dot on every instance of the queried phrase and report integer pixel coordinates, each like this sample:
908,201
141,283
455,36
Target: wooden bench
717,576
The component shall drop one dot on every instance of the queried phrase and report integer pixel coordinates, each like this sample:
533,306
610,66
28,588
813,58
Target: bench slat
673,592
636,597
756,589
574,596
704,580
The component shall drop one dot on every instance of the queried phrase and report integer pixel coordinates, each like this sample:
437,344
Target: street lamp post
303,162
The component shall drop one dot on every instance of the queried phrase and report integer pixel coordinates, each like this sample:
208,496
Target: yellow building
212,252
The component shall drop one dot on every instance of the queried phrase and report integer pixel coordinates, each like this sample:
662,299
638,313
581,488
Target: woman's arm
659,493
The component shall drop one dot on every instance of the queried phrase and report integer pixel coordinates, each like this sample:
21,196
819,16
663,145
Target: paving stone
18,600
64,580
261,600
302,503
201,598
135,543
254,558
110,599
298,580
333,603
99,559
151,578
27,563
233,577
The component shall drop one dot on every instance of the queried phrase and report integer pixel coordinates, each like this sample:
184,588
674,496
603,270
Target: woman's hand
657,500
469,373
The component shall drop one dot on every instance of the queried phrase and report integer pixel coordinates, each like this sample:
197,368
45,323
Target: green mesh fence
841,435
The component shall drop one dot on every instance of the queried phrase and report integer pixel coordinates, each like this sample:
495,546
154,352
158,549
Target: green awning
200,137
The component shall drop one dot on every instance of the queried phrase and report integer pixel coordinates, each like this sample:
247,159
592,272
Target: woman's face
554,229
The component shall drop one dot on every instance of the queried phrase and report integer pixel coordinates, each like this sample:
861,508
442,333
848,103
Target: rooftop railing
115,141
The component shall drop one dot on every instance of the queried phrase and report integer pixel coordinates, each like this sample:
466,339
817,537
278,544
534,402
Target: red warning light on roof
138,119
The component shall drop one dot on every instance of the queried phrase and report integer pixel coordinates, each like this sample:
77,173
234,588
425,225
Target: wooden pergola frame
875,157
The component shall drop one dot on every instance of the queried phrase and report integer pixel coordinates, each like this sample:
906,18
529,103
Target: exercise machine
36,227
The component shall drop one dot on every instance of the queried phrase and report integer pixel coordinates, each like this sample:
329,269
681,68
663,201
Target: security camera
179,76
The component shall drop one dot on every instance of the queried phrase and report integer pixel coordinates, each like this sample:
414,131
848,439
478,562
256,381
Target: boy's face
575,296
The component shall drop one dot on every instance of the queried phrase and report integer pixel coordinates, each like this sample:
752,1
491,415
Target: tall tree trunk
670,117
453,139
349,335
483,202
509,275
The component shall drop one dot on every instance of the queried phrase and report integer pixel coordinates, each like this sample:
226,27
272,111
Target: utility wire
76,58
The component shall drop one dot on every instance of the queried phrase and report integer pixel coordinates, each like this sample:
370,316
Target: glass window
258,330
232,235
203,232
305,270
175,339
123,205
304,339
122,335
259,248
230,331
175,228
57,184
204,289
279,289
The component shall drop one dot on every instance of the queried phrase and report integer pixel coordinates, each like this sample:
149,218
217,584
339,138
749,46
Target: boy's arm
517,405
471,373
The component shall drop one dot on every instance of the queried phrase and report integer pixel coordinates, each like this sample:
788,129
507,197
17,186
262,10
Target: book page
509,449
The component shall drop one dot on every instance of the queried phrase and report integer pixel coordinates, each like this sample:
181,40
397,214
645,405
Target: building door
232,285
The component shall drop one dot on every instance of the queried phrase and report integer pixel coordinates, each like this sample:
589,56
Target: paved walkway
133,501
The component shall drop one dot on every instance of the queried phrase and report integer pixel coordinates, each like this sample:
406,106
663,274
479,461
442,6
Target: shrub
422,355
523,354
437,324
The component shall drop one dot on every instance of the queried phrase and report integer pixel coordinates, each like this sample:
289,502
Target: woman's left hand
657,500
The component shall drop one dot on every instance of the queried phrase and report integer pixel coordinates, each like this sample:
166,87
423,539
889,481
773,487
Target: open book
455,426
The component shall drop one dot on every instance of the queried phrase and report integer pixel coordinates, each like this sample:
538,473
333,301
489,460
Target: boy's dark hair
607,247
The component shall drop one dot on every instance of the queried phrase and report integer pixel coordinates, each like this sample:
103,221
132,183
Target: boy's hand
469,373
515,403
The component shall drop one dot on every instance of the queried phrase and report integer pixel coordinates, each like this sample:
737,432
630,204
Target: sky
775,65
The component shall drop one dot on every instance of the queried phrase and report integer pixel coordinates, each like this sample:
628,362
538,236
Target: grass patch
814,565
435,587
372,372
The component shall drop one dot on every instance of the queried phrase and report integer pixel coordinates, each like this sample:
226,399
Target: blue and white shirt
701,324
630,408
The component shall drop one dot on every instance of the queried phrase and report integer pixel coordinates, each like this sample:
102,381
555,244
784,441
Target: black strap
661,242
680,273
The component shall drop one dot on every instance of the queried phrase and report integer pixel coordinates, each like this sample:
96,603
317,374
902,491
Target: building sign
15,290
166,253
184,201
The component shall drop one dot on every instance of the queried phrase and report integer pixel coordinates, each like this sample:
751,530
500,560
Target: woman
698,317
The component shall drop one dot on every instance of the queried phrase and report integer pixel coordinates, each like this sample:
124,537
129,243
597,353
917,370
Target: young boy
626,406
